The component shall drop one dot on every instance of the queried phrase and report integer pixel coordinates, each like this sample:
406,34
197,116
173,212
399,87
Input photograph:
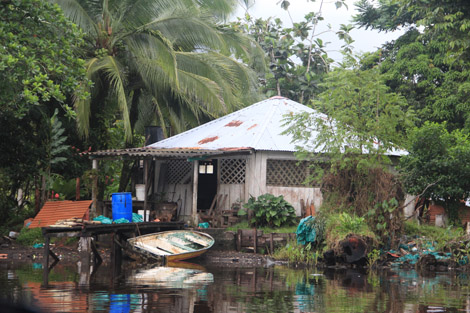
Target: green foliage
430,233
30,236
265,229
294,253
39,63
338,226
386,220
360,111
269,210
430,62
283,46
167,63
373,257
437,166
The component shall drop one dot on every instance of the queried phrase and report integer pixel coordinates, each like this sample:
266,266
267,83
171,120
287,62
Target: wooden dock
119,232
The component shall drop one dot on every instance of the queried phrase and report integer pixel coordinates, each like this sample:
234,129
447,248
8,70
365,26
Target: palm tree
167,57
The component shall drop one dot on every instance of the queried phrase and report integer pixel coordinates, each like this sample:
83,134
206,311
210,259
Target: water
193,289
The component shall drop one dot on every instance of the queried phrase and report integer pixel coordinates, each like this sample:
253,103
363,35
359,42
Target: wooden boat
172,245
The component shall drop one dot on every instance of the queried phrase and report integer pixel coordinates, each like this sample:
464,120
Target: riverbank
11,252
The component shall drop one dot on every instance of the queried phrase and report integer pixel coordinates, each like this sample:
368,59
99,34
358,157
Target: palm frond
154,59
187,30
113,71
79,13
201,94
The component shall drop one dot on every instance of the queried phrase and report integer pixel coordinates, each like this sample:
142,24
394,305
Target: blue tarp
137,218
305,233
103,219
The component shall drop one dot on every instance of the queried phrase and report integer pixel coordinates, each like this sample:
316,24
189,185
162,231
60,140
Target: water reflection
180,275
189,288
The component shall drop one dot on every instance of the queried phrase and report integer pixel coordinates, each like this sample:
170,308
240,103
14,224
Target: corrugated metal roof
54,211
258,126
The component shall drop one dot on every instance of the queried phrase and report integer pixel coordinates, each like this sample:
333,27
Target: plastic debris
121,221
305,233
203,225
38,245
103,219
137,218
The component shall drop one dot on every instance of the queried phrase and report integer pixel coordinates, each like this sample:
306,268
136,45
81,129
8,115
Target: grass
294,252
30,236
442,236
338,226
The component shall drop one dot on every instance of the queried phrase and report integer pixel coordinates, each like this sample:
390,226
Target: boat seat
153,249
179,245
196,240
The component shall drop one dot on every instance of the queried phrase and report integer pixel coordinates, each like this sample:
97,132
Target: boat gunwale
175,256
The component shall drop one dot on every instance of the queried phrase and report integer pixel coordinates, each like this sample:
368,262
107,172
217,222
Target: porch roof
173,153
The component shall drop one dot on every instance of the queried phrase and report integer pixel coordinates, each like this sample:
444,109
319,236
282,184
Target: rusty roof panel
54,211
258,126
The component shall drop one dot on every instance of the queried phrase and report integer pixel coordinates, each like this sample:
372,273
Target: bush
440,235
338,226
294,252
30,236
272,211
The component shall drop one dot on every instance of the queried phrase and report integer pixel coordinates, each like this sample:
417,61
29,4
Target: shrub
338,226
294,252
434,234
30,236
269,210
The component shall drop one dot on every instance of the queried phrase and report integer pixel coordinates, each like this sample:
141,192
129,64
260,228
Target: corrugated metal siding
53,211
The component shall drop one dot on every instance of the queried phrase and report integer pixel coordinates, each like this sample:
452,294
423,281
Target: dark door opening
207,184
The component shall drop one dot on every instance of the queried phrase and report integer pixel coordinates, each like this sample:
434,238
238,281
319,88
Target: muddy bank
14,253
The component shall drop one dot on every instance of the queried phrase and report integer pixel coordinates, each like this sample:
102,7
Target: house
241,155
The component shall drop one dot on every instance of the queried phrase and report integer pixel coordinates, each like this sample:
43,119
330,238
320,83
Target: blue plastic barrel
122,205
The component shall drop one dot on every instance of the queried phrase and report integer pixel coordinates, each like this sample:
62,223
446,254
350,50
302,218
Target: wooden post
94,190
116,255
194,220
255,241
146,175
271,243
45,272
239,240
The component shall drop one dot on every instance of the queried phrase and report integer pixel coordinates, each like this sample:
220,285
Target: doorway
207,184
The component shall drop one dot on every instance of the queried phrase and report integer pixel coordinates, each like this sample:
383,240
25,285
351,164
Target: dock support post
116,255
194,220
45,272
94,189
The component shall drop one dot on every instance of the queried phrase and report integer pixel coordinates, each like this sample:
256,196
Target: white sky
365,40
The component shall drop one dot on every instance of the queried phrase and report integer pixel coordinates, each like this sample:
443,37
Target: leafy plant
373,257
338,226
434,234
30,236
269,210
385,219
294,252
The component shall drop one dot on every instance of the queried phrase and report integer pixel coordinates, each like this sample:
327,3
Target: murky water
192,288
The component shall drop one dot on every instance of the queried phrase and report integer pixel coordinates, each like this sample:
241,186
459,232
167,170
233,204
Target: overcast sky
365,40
